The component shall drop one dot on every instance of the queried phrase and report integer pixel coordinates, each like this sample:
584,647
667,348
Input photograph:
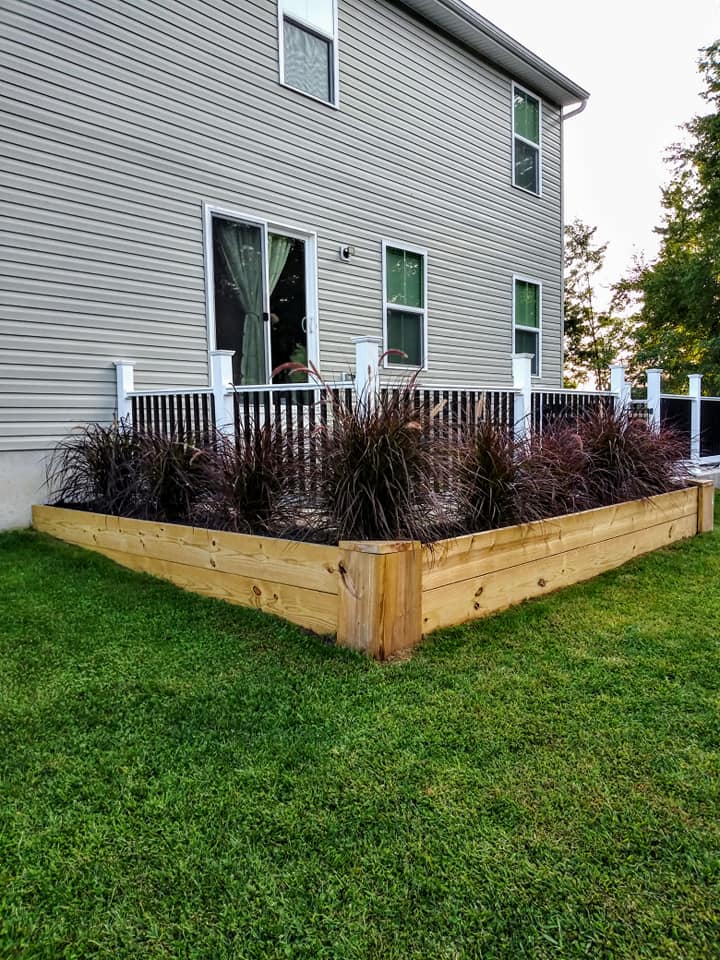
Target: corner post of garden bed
380,596
705,505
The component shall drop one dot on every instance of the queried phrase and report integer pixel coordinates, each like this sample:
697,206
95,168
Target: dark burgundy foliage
626,459
248,486
96,468
382,470
387,470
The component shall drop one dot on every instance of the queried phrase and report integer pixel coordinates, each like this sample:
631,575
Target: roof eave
473,30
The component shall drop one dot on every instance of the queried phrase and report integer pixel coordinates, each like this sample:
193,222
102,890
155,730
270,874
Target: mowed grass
182,778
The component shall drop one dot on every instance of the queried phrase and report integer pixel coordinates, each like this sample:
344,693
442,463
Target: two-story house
272,177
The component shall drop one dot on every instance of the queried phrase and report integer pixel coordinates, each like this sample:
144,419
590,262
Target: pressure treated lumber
495,570
380,585
462,558
307,565
297,581
381,597
706,504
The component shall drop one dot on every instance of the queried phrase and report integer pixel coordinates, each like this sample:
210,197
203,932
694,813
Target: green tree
594,338
678,295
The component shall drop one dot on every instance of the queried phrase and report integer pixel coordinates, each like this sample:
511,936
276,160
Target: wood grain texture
706,505
463,558
380,609
497,589
293,580
380,597
285,561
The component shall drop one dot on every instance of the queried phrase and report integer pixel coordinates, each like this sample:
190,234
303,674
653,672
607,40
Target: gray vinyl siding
120,119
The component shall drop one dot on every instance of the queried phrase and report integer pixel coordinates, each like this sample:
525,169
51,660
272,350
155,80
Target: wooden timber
380,590
381,597
297,581
470,577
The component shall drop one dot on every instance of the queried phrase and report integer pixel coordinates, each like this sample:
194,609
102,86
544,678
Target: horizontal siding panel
91,261
118,199
86,328
312,170
122,118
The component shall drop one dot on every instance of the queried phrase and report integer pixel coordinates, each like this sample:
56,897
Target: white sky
638,60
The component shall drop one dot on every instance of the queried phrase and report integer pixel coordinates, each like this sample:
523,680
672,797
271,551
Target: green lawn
181,778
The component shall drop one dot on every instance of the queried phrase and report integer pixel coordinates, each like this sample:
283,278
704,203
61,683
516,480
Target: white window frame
518,326
334,59
538,146
421,311
266,226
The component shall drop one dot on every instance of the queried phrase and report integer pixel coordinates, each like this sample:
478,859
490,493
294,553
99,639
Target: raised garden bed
381,597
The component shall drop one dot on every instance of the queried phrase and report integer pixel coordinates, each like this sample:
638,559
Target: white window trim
538,145
410,248
517,326
335,60
266,225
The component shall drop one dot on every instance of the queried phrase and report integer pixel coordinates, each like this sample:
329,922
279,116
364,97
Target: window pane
527,173
405,332
307,61
405,278
527,116
319,13
527,304
528,342
238,271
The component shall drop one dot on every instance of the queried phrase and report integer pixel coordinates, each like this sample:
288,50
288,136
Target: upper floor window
527,319
527,140
405,298
308,47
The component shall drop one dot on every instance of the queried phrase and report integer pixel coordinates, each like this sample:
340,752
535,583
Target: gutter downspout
565,116
575,112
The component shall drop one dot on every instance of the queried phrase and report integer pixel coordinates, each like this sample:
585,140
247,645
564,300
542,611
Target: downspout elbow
576,111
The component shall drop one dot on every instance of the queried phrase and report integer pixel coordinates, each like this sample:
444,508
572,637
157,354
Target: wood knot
479,591
257,591
542,583
476,605
212,563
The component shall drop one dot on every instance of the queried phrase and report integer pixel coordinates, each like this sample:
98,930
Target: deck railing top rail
521,405
176,391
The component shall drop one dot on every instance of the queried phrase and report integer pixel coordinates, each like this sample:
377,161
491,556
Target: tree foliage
678,295
594,338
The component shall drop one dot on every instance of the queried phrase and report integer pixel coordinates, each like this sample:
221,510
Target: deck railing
172,413
548,406
304,411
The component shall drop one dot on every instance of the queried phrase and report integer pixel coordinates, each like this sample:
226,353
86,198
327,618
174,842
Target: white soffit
474,31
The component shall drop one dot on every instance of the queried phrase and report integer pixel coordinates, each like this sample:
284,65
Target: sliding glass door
262,298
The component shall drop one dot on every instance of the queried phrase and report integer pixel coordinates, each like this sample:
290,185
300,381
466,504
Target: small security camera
346,252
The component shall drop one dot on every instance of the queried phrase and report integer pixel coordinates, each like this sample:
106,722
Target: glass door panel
287,281
239,289
261,300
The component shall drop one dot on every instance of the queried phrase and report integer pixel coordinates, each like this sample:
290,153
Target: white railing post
619,386
522,381
367,368
654,389
695,393
221,381
125,384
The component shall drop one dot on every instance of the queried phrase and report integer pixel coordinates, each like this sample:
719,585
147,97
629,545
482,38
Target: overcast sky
638,60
